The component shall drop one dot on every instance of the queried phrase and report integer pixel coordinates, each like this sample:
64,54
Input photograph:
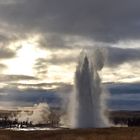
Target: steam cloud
39,114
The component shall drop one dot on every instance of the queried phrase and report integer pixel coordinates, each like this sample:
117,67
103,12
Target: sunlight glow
61,73
23,63
27,54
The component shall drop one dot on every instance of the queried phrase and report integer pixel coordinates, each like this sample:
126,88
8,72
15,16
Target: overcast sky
40,40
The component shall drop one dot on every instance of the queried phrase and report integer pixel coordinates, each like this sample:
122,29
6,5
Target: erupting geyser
86,101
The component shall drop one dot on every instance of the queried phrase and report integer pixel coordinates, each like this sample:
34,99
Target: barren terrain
130,133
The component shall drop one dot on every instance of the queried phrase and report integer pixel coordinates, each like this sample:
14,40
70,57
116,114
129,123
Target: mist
39,114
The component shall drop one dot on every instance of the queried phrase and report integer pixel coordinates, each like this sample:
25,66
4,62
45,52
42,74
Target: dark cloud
2,67
34,95
6,53
10,78
7,2
55,86
40,67
7,37
59,58
16,95
3,38
62,59
53,41
117,56
113,56
108,20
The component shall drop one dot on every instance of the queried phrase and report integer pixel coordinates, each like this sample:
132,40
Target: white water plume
87,102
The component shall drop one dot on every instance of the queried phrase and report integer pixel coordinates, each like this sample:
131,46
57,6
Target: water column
87,96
